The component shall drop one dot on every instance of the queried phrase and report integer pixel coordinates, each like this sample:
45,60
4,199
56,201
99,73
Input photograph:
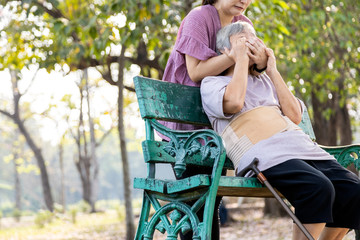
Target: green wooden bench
170,198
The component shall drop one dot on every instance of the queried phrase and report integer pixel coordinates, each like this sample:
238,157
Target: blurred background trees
102,44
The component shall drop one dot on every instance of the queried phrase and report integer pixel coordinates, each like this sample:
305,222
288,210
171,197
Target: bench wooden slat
228,186
151,184
159,100
193,182
242,187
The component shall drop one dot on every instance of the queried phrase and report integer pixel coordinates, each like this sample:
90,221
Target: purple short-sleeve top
196,38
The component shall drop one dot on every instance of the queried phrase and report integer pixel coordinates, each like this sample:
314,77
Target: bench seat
228,186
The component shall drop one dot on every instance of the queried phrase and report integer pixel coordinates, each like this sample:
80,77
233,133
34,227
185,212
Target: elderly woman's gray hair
224,34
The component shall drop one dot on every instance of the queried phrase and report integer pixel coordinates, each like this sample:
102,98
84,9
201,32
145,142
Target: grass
76,223
105,225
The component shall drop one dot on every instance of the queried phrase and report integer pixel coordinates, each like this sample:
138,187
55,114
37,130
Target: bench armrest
345,155
184,144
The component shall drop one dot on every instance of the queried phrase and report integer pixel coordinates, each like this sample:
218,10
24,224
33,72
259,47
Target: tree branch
86,63
7,114
31,82
54,12
104,136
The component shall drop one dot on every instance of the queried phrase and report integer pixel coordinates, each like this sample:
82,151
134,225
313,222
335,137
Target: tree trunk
325,129
41,164
344,129
87,191
344,125
17,185
273,208
85,181
93,160
130,227
62,174
83,164
188,5
37,151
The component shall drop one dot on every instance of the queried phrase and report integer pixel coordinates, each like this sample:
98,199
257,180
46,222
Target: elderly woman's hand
239,51
271,63
257,54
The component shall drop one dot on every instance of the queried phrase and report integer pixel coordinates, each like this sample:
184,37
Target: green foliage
5,186
316,37
20,154
43,217
81,206
73,213
107,204
79,34
7,208
120,210
58,208
317,48
84,206
113,205
17,214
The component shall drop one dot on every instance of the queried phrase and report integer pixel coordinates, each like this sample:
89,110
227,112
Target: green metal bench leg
210,201
144,216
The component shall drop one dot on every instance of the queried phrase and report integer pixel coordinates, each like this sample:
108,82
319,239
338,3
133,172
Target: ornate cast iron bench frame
169,198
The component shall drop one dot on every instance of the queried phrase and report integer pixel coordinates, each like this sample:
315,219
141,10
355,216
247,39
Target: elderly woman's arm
290,106
234,96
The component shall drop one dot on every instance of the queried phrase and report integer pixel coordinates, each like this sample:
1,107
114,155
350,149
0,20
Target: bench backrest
179,103
170,102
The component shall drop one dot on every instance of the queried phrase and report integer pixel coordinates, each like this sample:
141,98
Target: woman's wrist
230,58
271,72
259,69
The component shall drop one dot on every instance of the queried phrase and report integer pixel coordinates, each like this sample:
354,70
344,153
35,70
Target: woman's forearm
198,69
234,96
290,106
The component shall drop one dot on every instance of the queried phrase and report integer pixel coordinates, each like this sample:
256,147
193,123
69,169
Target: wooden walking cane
260,176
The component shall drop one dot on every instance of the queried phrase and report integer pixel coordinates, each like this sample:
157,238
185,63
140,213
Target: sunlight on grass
63,227
76,223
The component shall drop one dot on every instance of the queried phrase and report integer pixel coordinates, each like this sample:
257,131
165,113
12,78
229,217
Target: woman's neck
225,19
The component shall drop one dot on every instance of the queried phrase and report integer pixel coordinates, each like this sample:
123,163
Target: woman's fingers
251,47
269,52
260,42
252,57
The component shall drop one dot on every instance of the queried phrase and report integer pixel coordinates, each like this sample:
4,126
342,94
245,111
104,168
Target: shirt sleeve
212,93
196,31
193,47
302,105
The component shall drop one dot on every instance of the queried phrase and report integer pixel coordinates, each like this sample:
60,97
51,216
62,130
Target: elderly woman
257,116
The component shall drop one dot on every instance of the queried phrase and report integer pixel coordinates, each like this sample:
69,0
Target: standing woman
194,54
194,57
